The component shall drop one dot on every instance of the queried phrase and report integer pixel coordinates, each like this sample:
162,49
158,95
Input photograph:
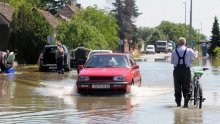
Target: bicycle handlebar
200,72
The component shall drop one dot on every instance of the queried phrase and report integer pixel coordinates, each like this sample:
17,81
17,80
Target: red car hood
104,71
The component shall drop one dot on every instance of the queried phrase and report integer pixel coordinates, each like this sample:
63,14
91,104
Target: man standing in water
60,58
181,59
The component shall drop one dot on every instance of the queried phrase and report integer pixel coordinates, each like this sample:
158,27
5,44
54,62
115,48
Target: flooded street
47,97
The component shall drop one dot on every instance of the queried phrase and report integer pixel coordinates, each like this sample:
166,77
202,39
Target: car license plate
103,86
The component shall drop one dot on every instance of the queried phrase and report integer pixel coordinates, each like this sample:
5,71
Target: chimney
70,2
78,5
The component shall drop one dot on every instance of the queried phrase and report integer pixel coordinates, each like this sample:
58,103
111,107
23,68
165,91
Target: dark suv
47,60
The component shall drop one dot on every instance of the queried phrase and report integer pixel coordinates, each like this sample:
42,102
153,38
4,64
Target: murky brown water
36,97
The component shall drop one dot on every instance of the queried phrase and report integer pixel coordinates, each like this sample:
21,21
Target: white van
150,49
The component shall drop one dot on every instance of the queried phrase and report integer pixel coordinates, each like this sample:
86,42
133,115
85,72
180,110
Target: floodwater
47,97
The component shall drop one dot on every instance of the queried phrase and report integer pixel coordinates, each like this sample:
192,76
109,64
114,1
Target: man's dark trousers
182,79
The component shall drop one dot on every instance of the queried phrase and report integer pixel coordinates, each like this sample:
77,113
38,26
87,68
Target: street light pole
191,45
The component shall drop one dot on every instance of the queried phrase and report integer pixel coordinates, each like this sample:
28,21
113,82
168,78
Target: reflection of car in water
47,59
92,105
108,73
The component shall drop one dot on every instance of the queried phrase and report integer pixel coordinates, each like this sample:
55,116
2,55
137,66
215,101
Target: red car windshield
99,61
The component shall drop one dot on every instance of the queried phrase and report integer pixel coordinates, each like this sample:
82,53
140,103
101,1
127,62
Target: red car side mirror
136,67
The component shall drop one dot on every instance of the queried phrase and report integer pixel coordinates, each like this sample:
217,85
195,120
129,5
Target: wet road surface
47,97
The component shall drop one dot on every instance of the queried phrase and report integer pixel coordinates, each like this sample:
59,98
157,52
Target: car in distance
47,59
92,52
108,73
150,49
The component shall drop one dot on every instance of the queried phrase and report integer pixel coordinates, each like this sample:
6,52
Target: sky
155,11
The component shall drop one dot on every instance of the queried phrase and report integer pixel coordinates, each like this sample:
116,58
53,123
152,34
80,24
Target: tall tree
28,29
119,15
155,36
215,38
145,32
126,11
97,29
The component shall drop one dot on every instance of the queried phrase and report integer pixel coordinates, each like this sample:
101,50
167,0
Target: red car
108,73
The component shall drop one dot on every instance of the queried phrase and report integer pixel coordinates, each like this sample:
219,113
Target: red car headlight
119,78
83,78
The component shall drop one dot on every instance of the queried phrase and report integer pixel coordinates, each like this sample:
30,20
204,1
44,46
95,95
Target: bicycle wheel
191,100
198,97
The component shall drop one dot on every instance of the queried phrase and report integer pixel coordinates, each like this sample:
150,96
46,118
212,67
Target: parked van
150,49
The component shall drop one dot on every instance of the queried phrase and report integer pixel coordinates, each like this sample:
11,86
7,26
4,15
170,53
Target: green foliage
29,31
215,38
125,11
217,52
97,29
155,36
54,5
145,33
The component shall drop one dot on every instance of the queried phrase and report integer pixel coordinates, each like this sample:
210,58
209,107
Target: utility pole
185,17
191,45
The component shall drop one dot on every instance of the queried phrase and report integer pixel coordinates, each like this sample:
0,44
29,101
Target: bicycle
196,89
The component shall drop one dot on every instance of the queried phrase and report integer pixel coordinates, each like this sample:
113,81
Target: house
53,23
50,18
6,12
68,11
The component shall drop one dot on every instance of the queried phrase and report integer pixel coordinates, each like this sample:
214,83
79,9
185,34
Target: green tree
97,29
145,33
29,31
215,38
125,11
173,31
155,36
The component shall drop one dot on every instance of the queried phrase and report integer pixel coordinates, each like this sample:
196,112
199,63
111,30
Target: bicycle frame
196,89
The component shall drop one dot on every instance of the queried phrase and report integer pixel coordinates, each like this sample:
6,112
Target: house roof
67,11
49,17
6,11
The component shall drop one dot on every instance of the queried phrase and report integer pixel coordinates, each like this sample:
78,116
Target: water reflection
46,97
7,86
188,116
116,109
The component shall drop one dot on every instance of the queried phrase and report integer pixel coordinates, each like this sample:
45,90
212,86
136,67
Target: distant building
6,12
68,11
50,18
53,23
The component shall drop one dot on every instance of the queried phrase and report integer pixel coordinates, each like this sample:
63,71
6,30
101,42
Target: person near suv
81,55
60,58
